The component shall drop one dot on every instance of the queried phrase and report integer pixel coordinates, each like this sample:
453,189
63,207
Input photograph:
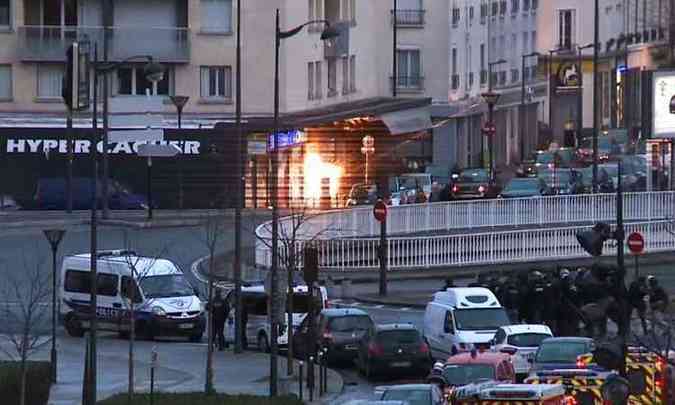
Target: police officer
538,298
568,310
219,312
658,298
637,291
449,283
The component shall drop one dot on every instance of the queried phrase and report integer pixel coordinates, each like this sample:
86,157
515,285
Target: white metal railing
346,237
471,249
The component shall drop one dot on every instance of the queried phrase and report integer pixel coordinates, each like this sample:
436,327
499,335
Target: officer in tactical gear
658,299
637,292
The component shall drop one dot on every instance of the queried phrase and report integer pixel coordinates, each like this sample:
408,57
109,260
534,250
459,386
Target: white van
165,304
460,318
254,300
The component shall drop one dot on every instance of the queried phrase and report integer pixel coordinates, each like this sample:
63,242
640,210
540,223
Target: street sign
154,358
380,211
155,150
636,243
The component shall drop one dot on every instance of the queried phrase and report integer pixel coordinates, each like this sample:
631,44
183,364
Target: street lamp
491,98
153,72
522,102
368,149
580,95
179,102
549,78
328,33
569,127
54,237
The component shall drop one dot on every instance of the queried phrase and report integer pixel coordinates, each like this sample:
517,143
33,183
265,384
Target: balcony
409,83
49,43
408,18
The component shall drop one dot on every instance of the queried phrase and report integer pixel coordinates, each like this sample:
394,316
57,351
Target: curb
377,301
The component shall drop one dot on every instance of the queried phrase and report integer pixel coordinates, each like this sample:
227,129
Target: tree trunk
132,338
289,309
208,387
24,371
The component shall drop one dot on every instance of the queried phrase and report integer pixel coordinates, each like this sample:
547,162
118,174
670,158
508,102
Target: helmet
564,273
652,280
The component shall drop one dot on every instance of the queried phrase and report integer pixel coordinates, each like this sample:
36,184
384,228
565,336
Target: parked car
605,184
51,193
459,318
608,149
563,181
412,394
393,348
474,367
527,168
340,330
363,194
521,342
474,183
525,187
562,158
8,203
560,353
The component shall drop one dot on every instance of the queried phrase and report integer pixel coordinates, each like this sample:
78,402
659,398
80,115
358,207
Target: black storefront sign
207,164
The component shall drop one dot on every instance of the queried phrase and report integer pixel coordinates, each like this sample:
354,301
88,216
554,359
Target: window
318,80
483,12
131,81
454,61
49,80
5,82
534,5
526,40
345,75
515,5
409,68
216,82
566,27
332,77
471,13
526,5
130,290
79,282
482,56
534,41
352,9
502,7
352,73
216,16
455,16
495,8
5,18
310,79
514,75
502,46
514,44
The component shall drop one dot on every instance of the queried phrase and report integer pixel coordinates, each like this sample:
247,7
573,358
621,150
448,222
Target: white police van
255,303
165,304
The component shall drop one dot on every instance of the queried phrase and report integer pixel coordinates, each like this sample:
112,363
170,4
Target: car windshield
412,397
463,374
350,323
480,319
544,157
527,339
612,170
474,176
170,285
522,184
398,337
560,352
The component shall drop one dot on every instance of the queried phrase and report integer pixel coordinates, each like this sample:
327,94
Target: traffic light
75,84
592,241
310,269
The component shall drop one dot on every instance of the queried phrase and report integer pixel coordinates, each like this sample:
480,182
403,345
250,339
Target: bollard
300,376
320,360
310,378
325,370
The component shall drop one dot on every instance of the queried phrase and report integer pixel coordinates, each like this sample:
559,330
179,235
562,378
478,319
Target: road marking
378,306
406,309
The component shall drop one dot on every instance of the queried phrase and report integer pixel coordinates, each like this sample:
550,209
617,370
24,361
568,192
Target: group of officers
574,302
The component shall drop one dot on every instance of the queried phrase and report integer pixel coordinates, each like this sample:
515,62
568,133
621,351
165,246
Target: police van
255,302
461,318
164,302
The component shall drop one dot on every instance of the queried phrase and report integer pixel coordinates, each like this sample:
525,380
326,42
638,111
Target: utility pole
106,82
596,40
394,52
241,192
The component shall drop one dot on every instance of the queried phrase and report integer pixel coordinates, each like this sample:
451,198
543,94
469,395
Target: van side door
448,337
110,306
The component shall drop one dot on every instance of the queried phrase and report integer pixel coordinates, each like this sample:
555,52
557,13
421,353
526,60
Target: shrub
38,382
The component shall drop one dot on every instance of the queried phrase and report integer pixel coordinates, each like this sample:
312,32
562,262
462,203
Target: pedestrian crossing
344,303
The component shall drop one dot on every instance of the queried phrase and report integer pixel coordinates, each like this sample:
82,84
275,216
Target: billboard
663,116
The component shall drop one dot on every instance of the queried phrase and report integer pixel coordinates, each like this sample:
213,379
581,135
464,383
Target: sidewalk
181,369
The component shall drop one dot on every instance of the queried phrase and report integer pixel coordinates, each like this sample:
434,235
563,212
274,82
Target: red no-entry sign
636,243
380,211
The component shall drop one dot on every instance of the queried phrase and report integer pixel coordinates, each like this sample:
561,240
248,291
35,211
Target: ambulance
491,393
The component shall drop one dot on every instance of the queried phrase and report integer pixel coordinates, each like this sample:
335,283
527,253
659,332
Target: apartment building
488,39
634,40
195,41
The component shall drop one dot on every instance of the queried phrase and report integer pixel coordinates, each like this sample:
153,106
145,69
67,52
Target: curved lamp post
54,237
179,102
328,33
368,149
491,98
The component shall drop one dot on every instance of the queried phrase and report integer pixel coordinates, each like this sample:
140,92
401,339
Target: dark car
527,168
51,195
560,353
363,194
412,394
563,157
563,181
339,330
394,348
605,184
525,187
608,149
474,183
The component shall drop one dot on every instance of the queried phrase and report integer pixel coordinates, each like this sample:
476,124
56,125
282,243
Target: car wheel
74,327
263,344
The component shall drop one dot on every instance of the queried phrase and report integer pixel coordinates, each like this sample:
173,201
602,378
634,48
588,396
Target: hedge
38,382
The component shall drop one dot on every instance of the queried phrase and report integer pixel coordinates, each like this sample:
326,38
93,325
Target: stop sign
636,243
380,211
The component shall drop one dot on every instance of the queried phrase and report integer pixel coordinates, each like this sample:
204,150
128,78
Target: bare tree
660,335
299,227
212,236
25,310
139,267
